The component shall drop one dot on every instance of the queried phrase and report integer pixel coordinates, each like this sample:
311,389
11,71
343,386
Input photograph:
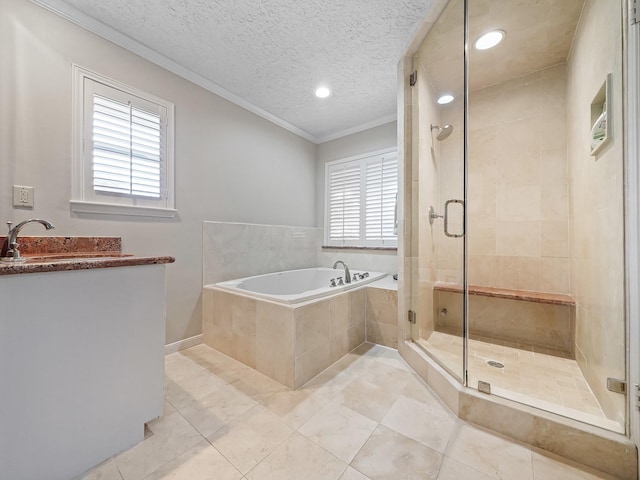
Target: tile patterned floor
366,417
530,375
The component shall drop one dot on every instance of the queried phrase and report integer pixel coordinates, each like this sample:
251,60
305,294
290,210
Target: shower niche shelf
601,118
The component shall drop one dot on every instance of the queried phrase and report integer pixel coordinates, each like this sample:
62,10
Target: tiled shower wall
518,187
597,206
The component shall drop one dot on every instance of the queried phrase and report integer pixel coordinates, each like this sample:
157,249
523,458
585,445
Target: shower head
443,132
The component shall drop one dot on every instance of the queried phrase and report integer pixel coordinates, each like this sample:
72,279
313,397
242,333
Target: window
360,199
123,149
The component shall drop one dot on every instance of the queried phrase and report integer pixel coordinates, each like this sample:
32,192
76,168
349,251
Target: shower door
438,103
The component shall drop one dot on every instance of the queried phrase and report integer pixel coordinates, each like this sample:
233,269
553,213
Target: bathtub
288,325
296,286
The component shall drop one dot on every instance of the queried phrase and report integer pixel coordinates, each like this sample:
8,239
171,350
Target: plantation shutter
361,201
127,149
381,182
344,201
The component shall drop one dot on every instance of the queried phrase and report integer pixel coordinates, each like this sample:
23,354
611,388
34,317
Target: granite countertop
56,254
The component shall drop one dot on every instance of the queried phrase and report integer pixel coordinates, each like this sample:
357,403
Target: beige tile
191,388
367,399
210,413
275,337
329,383
382,334
172,436
222,366
197,463
298,457
430,424
554,239
382,306
546,468
353,474
519,204
295,407
454,470
178,367
387,377
339,429
518,239
105,471
387,455
489,453
247,440
258,386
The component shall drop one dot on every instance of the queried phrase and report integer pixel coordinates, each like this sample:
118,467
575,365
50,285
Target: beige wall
231,165
597,205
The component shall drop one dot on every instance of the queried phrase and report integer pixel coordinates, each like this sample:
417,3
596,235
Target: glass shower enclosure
517,216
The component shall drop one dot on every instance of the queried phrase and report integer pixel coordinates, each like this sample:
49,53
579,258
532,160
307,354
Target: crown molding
74,15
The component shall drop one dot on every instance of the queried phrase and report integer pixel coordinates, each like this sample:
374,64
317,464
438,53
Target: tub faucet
347,275
12,237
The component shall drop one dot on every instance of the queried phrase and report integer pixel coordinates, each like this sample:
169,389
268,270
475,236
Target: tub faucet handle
332,283
340,282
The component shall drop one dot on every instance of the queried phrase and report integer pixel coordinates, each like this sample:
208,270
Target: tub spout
347,274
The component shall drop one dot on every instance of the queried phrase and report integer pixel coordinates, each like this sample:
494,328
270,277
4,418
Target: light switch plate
22,196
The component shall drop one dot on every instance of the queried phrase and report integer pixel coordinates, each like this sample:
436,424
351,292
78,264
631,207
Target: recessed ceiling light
444,99
323,92
489,40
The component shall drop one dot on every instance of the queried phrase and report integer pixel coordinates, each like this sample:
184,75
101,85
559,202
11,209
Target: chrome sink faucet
347,274
12,237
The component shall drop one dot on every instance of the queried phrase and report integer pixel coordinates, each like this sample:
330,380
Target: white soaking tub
296,286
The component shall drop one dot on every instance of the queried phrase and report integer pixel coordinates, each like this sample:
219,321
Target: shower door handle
446,218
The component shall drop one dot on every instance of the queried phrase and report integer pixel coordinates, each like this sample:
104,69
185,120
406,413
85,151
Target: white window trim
79,203
362,243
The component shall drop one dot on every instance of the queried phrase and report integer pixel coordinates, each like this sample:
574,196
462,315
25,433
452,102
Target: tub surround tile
309,337
382,316
275,340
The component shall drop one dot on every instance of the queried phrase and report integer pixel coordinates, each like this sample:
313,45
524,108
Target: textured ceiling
538,35
274,53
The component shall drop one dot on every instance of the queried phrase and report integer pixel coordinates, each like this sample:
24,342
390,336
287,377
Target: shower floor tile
530,375
368,416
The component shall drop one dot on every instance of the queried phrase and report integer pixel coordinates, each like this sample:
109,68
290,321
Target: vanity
82,333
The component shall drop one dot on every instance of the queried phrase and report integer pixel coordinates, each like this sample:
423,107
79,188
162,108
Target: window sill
352,247
129,210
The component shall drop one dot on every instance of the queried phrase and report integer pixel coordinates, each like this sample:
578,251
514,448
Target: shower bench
520,317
